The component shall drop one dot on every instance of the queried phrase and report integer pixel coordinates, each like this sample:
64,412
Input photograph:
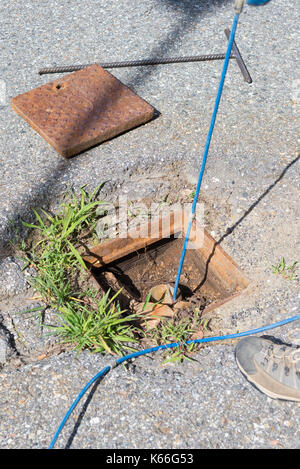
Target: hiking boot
272,368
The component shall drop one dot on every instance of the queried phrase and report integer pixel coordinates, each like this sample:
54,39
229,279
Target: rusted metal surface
82,109
114,249
215,266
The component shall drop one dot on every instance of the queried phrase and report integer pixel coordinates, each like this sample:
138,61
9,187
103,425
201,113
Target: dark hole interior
157,264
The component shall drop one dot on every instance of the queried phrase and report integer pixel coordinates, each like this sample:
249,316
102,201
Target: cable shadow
242,218
83,411
191,10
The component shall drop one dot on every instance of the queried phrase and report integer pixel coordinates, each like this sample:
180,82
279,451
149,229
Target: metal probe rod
206,151
137,63
159,61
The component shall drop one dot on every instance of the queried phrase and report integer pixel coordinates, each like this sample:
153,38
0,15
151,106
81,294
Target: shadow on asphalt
242,218
82,412
189,11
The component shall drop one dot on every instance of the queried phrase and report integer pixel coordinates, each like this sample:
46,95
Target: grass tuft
288,272
87,319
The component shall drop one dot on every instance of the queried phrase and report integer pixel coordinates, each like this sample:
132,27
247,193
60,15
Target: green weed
86,319
179,331
56,255
287,272
104,328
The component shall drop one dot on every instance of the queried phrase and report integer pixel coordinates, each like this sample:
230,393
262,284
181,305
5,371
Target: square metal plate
82,109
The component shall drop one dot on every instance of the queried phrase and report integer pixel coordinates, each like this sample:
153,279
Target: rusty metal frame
217,266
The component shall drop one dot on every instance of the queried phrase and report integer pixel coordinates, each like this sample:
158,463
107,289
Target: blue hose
120,360
105,370
206,150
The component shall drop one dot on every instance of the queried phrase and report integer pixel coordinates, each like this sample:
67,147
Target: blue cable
155,349
206,150
196,341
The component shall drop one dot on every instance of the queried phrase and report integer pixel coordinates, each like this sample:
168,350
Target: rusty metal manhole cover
82,109
137,264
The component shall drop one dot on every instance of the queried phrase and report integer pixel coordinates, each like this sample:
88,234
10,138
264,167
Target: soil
157,264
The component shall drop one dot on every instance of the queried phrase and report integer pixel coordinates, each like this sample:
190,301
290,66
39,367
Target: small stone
141,308
162,311
153,309
198,335
152,314
182,305
163,293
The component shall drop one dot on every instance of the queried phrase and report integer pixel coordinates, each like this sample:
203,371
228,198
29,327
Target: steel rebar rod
137,63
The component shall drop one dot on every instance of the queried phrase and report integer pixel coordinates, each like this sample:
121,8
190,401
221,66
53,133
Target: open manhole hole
136,264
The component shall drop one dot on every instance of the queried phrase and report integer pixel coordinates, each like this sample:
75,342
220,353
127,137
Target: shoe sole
265,390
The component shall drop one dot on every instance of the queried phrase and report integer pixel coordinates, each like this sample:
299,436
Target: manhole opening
201,281
153,265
